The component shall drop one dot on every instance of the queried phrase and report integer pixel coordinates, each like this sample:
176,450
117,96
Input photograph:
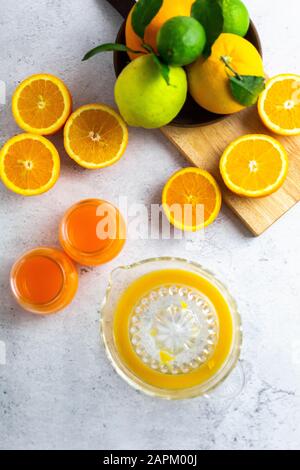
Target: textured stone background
57,389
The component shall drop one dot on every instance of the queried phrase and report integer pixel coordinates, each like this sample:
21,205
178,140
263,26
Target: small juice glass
92,232
44,280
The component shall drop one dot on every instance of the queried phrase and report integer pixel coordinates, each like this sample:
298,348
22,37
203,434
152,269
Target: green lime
236,17
181,40
143,96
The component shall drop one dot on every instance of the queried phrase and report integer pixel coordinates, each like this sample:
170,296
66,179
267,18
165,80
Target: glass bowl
186,321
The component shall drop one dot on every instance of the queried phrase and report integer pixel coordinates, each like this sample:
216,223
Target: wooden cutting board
203,147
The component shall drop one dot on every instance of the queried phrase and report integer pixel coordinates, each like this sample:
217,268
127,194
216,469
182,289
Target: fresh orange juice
44,280
173,329
92,232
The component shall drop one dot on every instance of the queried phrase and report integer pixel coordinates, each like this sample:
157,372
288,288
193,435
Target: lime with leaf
221,16
181,40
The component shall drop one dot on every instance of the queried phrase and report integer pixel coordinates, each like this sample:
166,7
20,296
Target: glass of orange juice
44,280
170,328
92,232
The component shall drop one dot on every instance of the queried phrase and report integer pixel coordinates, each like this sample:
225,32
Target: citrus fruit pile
196,46
177,47
95,136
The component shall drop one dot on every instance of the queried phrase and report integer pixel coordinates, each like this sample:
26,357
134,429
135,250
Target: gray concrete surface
57,389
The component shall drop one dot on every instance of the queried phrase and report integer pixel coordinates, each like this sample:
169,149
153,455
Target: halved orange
191,199
41,104
29,164
279,104
254,165
95,136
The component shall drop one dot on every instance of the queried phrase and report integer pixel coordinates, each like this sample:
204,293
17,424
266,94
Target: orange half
29,164
254,165
95,136
41,104
191,199
279,104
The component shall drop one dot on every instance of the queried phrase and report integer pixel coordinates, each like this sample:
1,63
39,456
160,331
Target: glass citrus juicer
171,329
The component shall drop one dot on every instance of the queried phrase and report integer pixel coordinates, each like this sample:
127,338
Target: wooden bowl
191,115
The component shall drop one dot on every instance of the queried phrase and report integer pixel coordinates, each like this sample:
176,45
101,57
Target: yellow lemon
209,78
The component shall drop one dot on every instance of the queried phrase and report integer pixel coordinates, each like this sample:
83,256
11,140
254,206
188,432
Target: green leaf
163,68
209,13
109,47
246,89
143,13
